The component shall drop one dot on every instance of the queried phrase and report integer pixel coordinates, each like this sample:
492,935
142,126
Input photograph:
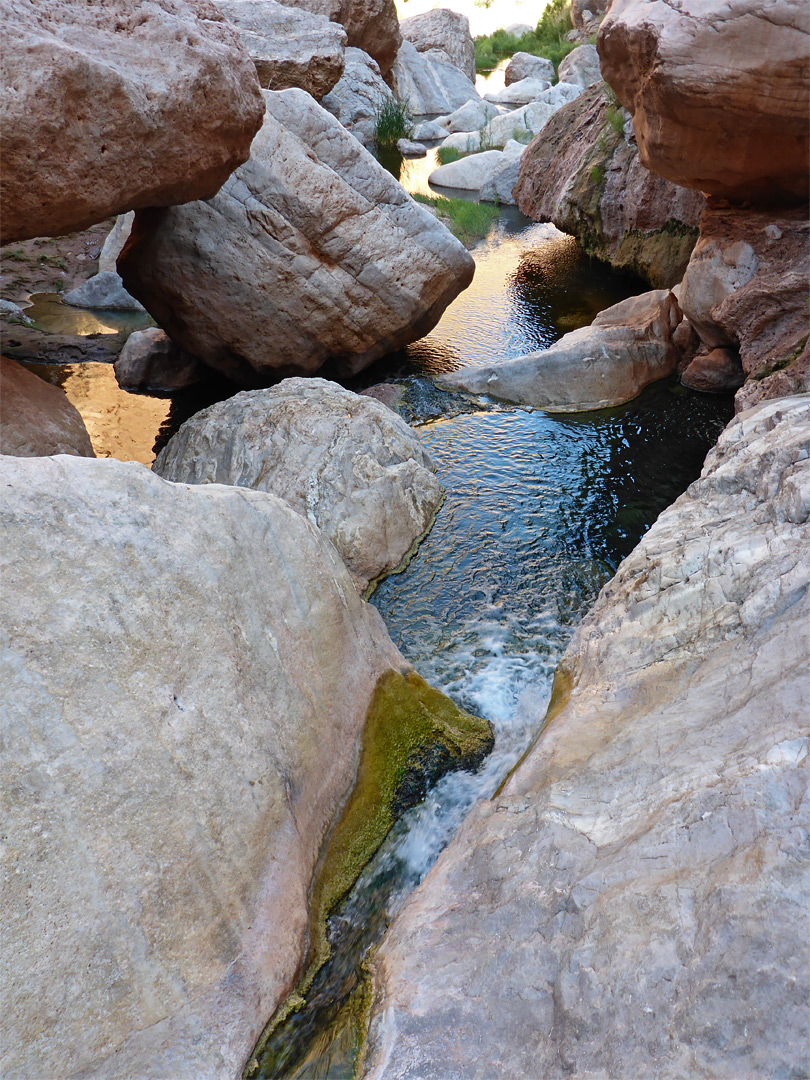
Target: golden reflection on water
120,425
51,314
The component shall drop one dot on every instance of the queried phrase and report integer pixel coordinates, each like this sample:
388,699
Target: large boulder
583,173
580,66
633,902
520,93
445,30
525,65
311,251
150,361
719,92
429,83
745,288
111,107
370,25
499,186
625,348
469,173
347,463
358,96
36,419
289,47
187,673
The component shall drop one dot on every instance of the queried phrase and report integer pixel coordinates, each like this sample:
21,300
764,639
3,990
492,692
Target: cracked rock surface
634,901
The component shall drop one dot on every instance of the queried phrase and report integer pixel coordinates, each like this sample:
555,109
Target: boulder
347,463
625,348
410,149
470,173
358,96
111,107
719,92
633,901
150,361
520,93
715,372
499,186
445,30
428,131
103,292
520,124
429,83
370,25
794,378
745,288
36,419
471,116
289,47
580,67
584,13
311,251
187,673
524,65
583,174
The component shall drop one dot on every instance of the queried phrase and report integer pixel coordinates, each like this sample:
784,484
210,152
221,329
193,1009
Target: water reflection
49,313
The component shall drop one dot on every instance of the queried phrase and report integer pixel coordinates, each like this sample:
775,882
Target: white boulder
103,292
581,66
429,83
469,117
520,93
444,30
358,96
469,173
524,65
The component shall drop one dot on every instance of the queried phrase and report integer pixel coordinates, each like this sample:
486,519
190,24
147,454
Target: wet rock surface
632,901
36,419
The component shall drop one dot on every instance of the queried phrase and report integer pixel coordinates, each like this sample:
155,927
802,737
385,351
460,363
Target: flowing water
540,510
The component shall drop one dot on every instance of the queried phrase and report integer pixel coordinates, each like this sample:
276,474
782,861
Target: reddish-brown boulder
36,419
582,172
370,25
715,372
719,92
111,107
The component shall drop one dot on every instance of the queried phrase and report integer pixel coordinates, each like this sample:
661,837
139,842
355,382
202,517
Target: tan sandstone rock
633,902
583,173
625,348
370,25
719,92
346,462
112,107
445,30
311,251
36,419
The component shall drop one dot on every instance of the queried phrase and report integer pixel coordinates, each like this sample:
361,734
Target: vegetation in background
549,39
469,221
392,122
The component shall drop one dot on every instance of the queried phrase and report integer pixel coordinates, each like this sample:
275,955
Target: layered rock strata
583,174
347,463
111,107
633,901
311,251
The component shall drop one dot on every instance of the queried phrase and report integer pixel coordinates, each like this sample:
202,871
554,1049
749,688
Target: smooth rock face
358,95
470,173
346,462
520,93
289,47
719,92
370,25
102,292
445,30
746,288
36,419
519,124
633,903
429,83
469,117
500,185
585,176
150,360
524,65
111,107
581,66
113,245
311,250
625,348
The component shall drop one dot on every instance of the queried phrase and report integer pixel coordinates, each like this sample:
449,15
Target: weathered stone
584,13
186,676
428,83
584,175
428,131
112,107
311,251
358,96
36,419
524,65
500,185
151,361
746,288
794,378
446,31
370,25
113,245
103,292
581,66
715,372
346,462
625,348
719,92
469,173
633,902
520,93
410,149
471,116
519,124
289,47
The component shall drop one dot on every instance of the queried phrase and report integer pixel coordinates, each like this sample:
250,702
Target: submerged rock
633,901
429,83
36,419
625,348
346,462
358,96
446,31
584,175
311,251
186,675
370,25
111,107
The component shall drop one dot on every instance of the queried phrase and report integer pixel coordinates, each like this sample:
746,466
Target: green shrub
615,117
598,173
547,39
469,221
446,154
392,122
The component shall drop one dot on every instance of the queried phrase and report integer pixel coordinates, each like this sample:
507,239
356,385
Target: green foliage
469,221
485,137
17,254
392,122
446,154
547,39
615,117
598,173
522,135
